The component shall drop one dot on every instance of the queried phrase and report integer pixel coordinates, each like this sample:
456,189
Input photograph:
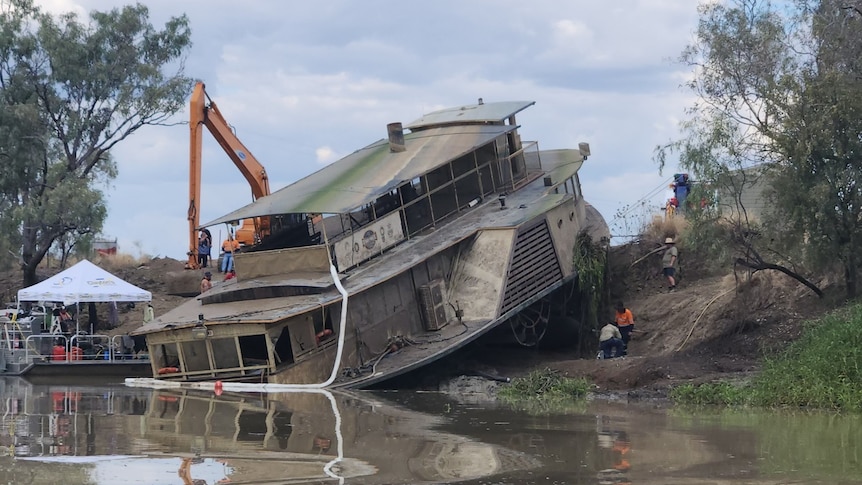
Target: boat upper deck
539,193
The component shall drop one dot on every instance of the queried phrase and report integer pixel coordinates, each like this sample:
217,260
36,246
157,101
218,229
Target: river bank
714,326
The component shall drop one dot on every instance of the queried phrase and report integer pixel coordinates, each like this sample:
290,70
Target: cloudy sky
305,83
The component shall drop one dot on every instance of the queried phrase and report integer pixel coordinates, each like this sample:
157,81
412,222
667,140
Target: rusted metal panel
565,226
310,259
480,271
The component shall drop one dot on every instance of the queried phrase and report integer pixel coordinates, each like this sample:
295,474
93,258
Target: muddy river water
112,434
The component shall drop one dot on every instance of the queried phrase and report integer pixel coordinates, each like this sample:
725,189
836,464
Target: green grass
820,371
714,393
545,385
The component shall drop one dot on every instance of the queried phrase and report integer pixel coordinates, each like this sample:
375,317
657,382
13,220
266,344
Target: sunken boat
390,258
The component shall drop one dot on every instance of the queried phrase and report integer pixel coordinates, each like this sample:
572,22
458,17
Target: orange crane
203,112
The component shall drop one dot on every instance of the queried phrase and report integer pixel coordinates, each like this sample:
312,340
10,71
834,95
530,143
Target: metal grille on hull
534,266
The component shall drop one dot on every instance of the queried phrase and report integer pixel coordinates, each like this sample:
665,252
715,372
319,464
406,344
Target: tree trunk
850,274
777,267
32,252
28,257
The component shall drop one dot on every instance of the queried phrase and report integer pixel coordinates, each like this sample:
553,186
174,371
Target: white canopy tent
84,283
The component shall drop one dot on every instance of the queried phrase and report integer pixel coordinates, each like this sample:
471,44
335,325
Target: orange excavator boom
204,112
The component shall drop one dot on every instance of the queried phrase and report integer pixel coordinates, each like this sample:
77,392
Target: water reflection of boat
124,435
435,236
298,434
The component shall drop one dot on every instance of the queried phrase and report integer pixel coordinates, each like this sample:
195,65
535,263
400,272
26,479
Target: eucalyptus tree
779,89
70,90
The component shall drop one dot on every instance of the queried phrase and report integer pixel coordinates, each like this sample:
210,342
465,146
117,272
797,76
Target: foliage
707,235
823,369
590,261
780,89
723,393
69,92
545,386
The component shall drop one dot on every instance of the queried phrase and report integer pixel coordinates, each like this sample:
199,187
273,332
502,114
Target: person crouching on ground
625,323
610,338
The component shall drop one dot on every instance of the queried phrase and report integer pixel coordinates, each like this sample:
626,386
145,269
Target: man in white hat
668,262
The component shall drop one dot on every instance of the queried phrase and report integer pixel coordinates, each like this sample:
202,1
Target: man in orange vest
625,321
229,246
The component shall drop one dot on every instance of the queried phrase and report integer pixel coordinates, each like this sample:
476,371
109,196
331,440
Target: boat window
167,408
418,215
282,427
252,426
443,202
439,177
166,355
464,164
282,347
323,330
468,190
386,204
224,414
253,349
224,353
358,218
577,183
289,231
195,355
485,178
194,418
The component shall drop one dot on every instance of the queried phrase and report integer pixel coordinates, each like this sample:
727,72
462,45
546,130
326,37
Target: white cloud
325,155
305,85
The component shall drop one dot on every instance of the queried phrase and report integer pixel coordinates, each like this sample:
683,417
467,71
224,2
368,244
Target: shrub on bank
820,370
545,384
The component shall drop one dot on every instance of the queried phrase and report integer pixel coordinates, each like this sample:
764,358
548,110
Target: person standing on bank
626,323
669,261
229,246
149,315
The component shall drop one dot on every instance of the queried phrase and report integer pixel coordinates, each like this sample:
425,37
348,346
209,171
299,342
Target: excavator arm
204,112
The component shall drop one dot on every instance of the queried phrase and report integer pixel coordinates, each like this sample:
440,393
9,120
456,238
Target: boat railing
93,340
532,165
118,351
38,348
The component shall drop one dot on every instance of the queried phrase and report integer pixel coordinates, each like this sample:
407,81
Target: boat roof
369,173
470,114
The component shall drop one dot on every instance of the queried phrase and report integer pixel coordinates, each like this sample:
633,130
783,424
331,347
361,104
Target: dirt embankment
712,326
